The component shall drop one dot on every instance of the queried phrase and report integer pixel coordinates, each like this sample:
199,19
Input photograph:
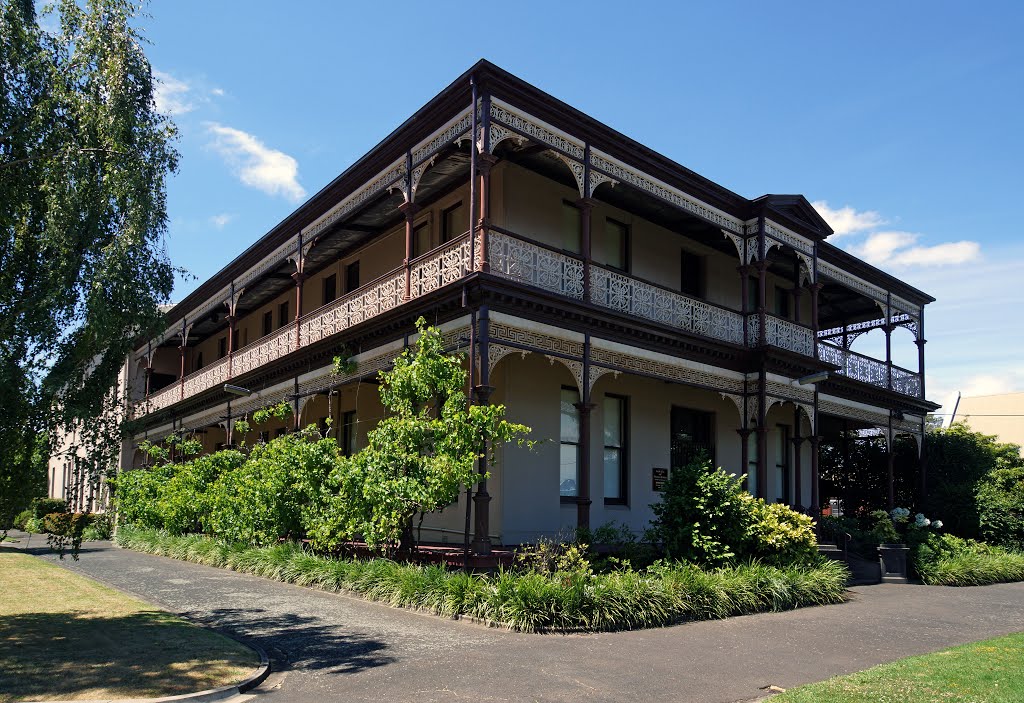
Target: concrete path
330,647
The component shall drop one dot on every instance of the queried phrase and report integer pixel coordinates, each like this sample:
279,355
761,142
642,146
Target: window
421,239
199,361
572,231
692,275
352,277
616,243
264,436
234,338
753,293
348,433
280,431
692,433
330,288
781,302
454,222
268,322
222,347
752,463
616,452
782,485
569,449
282,314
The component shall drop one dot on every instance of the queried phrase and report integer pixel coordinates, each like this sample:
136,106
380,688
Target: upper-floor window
616,450
330,288
222,347
616,244
352,277
782,308
421,239
268,322
569,443
692,274
348,432
454,222
282,314
572,229
199,361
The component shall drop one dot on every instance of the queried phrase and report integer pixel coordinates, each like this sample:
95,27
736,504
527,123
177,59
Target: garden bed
664,594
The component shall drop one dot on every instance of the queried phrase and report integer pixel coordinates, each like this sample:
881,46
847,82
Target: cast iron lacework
631,296
782,334
265,350
868,370
363,304
534,265
445,266
393,176
535,129
440,139
624,174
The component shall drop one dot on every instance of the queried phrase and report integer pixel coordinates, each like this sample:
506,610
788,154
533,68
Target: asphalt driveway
331,647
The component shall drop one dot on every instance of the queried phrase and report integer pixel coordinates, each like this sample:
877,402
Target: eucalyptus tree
84,160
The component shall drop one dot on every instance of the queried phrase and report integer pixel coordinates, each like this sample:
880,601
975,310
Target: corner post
410,210
482,499
797,440
583,501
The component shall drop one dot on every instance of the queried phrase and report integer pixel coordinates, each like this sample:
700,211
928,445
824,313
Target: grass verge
527,602
66,637
991,671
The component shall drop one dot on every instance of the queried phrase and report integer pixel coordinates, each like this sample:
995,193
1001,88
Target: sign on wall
659,477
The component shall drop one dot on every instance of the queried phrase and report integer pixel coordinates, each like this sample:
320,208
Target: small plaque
659,477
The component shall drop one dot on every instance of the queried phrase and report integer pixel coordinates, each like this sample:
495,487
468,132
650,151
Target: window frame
565,497
283,314
623,449
349,269
423,225
268,322
329,285
701,267
783,304
627,241
578,251
446,214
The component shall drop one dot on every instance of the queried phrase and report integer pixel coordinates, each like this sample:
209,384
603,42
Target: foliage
41,507
35,526
883,529
947,560
862,481
666,593
551,556
136,494
418,457
84,158
704,514
24,478
616,546
22,518
65,530
781,536
708,518
959,460
101,527
1000,500
182,500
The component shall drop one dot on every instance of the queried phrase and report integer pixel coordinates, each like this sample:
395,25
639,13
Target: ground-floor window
692,433
782,485
616,452
569,447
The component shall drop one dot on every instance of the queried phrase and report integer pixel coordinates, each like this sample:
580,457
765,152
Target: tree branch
37,157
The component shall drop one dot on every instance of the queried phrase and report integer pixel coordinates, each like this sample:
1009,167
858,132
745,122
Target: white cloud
255,164
900,249
846,220
217,92
221,220
172,96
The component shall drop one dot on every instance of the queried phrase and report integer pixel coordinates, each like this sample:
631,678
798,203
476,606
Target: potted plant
892,550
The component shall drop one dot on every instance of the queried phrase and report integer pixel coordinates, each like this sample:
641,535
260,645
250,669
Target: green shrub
22,518
704,515
781,536
35,526
101,527
182,501
66,524
136,494
666,593
41,507
1000,498
707,517
947,560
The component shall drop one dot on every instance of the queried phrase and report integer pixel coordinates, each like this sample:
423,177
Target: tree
84,158
418,457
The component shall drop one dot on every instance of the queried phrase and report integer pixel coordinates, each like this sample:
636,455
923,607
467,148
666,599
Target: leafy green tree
84,158
1001,507
418,457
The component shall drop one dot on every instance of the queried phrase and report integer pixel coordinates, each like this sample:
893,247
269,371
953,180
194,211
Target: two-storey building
629,310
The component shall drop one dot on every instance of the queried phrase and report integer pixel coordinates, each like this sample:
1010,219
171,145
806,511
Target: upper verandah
793,212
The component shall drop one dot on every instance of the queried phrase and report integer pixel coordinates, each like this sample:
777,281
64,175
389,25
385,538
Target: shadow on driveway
298,641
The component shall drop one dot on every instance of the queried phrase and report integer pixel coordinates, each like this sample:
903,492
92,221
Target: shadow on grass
298,641
142,654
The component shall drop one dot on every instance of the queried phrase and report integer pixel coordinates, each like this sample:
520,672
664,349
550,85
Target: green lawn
991,671
65,637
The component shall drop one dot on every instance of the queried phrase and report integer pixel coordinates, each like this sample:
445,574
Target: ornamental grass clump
527,600
946,560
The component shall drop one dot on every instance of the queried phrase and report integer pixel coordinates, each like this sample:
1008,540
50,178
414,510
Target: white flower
937,524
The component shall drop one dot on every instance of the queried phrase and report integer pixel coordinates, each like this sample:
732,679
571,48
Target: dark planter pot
893,560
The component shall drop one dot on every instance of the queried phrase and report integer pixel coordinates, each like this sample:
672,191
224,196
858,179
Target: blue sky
901,121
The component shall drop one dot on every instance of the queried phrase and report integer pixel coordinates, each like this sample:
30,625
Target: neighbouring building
631,311
1001,414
